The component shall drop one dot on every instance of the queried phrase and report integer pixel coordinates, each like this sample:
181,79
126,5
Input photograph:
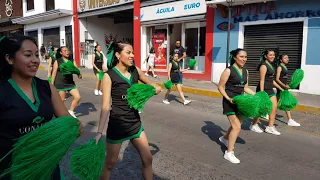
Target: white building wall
40,6
97,28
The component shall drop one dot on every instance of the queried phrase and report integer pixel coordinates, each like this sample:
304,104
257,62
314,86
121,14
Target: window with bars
30,5
50,5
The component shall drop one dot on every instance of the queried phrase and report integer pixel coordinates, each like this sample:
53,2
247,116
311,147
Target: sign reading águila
86,5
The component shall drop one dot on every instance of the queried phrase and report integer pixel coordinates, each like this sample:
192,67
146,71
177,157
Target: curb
216,94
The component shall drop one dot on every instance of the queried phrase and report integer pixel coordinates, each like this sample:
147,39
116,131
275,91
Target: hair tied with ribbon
230,58
2,38
263,54
110,55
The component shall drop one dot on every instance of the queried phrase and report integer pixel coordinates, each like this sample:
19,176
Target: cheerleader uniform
283,78
174,73
268,80
64,82
124,122
234,87
19,115
98,61
53,59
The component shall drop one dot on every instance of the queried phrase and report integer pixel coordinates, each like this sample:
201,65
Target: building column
40,41
62,36
137,33
209,43
76,34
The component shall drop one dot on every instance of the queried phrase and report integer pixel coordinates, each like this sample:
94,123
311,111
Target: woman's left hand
80,76
80,129
158,88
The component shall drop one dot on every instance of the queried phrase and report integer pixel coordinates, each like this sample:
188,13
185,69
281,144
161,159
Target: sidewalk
307,103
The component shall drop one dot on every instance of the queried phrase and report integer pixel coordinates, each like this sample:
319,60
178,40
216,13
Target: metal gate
69,43
287,37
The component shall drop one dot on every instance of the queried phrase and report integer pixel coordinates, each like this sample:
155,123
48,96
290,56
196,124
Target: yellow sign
95,4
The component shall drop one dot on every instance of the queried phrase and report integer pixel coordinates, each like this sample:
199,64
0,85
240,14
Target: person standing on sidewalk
97,63
65,83
267,83
124,122
282,80
173,74
150,62
181,55
233,82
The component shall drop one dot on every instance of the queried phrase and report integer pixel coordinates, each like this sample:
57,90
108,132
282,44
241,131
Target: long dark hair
9,46
95,48
234,54
264,53
117,48
58,54
152,50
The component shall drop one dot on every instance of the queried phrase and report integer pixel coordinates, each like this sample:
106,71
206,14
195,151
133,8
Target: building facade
48,21
9,10
292,27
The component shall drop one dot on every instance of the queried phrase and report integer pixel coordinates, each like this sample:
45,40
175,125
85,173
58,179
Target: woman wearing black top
24,98
233,82
65,83
97,63
124,122
282,80
267,83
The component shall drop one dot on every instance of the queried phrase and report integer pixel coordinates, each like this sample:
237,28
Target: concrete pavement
184,142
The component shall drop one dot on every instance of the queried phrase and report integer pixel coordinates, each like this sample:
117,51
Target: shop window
50,5
30,5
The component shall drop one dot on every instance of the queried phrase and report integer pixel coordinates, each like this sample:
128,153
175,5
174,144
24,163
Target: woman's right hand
98,137
230,100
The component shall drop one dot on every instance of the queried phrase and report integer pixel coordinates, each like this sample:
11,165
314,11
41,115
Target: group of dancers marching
234,82
33,98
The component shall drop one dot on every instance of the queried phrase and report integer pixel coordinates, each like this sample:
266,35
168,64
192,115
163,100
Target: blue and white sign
174,9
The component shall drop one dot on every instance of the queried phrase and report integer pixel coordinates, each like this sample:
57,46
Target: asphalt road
184,142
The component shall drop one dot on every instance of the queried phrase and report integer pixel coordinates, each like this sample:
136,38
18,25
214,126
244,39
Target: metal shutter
285,36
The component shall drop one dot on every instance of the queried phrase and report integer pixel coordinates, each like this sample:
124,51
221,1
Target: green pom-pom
50,79
192,63
264,104
168,84
69,68
100,75
139,94
287,101
247,105
37,154
296,78
87,160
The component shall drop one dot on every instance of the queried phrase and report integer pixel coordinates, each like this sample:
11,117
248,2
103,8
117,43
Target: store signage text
165,10
8,5
92,4
192,6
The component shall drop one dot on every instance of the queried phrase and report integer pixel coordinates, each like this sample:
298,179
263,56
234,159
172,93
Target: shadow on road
214,131
84,109
173,97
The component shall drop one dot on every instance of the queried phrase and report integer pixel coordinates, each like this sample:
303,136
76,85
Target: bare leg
167,94
62,95
226,136
180,92
141,144
76,98
98,83
255,121
235,123
288,115
152,70
111,160
272,116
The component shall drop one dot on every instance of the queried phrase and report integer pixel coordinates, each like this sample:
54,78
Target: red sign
158,42
82,46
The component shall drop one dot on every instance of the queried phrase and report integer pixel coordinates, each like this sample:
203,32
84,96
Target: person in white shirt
150,60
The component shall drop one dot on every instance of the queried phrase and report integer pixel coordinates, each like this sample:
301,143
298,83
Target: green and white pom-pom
264,104
69,68
192,63
287,101
247,105
139,94
37,154
87,160
168,84
100,75
296,78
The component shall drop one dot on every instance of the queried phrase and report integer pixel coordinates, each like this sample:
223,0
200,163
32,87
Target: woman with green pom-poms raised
233,82
124,122
62,78
26,102
282,80
173,75
266,84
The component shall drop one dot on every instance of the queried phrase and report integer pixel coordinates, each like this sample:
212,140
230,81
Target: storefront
185,21
290,26
102,23
8,11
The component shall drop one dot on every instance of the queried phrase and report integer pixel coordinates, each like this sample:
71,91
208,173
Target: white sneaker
100,93
230,157
72,114
272,130
96,92
166,101
186,102
155,76
146,74
292,122
256,128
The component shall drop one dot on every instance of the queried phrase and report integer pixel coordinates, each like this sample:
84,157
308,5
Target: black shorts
270,92
229,108
278,93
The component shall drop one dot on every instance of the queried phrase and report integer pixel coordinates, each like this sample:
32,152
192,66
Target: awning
45,16
234,2
200,17
107,10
